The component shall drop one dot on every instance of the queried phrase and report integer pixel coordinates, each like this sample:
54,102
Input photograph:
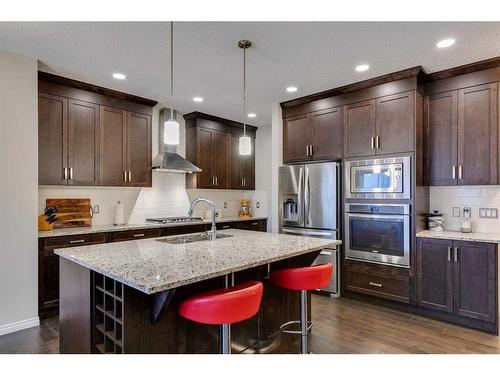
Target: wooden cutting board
72,213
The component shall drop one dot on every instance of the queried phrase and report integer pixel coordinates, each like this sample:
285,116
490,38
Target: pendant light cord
172,70
244,89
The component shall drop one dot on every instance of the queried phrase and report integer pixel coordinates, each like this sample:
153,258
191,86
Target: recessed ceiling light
445,43
252,115
119,76
291,89
197,99
362,68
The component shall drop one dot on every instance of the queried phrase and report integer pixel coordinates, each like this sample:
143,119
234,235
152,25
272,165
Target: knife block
43,225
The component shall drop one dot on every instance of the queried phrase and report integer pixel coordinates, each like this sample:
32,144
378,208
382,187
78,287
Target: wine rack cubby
107,315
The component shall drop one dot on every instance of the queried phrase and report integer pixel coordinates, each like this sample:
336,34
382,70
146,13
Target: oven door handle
378,216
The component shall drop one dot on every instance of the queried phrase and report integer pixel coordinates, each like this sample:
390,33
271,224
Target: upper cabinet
359,129
381,126
212,143
461,131
313,136
90,135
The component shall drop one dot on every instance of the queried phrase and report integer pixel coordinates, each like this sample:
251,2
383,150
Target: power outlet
95,209
225,204
456,212
257,204
467,212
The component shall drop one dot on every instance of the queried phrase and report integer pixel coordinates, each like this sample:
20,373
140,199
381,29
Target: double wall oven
377,210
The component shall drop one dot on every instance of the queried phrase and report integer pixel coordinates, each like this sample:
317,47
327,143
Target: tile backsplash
444,198
166,197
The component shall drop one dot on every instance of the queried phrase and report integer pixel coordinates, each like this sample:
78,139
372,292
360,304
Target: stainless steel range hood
168,160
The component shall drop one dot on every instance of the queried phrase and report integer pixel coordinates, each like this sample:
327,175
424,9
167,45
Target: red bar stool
224,307
303,279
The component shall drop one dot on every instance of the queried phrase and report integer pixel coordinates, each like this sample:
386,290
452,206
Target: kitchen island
123,297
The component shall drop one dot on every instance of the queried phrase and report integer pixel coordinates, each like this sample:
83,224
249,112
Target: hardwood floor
340,326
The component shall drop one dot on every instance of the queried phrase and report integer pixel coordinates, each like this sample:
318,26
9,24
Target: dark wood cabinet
391,283
92,136
213,157
435,275
112,146
242,167
296,138
359,129
458,277
462,136
478,135
214,147
313,136
83,143
138,150
395,124
440,113
52,139
475,280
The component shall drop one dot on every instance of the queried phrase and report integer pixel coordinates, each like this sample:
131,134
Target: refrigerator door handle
307,195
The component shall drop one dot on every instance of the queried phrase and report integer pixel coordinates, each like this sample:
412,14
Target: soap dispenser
466,226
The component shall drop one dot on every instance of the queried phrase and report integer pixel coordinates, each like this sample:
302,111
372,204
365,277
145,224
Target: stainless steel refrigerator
308,206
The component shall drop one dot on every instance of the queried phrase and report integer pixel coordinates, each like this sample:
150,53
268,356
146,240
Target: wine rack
107,314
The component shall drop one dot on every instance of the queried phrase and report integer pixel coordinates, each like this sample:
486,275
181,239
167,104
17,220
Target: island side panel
74,308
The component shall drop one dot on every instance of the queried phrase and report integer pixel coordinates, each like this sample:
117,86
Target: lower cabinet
378,280
48,262
457,277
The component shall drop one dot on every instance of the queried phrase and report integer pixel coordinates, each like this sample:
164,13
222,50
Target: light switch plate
456,212
488,213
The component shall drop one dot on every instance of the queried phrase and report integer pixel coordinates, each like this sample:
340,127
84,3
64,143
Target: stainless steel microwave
378,178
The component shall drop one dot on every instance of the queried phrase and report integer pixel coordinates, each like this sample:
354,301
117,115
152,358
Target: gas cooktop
174,220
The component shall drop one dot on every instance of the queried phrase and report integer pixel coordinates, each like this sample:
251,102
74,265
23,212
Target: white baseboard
19,326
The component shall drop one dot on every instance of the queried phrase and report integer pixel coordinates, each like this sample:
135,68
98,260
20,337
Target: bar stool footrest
283,327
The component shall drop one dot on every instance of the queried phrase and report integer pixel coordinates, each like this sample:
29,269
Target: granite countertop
453,235
118,228
152,266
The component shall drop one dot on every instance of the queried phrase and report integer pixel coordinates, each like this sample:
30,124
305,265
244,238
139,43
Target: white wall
444,198
18,192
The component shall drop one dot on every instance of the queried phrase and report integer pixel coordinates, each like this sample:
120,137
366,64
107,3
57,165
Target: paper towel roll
119,216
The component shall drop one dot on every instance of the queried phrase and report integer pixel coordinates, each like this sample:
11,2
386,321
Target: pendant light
245,145
171,126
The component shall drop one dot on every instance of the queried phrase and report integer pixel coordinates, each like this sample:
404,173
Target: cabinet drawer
258,225
380,286
70,241
186,229
136,234
227,225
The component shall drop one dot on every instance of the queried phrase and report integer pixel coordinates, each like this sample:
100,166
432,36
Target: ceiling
313,56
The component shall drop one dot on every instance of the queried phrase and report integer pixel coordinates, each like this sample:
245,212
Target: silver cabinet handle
129,176
375,284
255,223
449,253
307,150
65,173
324,252
125,176
453,172
312,149
76,241
372,143
455,254
70,173
226,226
138,235
377,142
460,172
216,181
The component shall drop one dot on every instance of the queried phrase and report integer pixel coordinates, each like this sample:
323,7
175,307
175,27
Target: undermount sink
191,238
